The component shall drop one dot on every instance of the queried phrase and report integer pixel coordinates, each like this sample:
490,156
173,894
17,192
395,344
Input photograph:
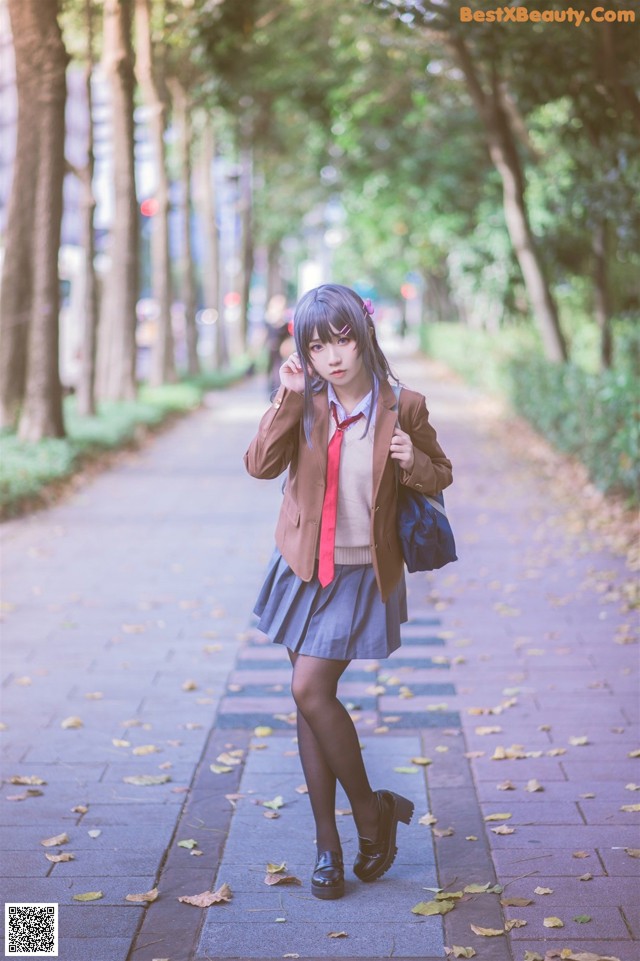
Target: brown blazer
281,443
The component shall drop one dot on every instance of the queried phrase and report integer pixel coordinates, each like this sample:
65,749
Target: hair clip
368,307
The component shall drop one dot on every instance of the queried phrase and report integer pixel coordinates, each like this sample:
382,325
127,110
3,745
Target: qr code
31,930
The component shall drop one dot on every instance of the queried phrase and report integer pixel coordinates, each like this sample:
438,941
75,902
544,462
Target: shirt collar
365,405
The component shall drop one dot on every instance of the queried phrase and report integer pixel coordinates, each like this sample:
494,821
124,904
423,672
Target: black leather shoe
327,880
376,857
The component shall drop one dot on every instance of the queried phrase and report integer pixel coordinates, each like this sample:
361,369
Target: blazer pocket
292,511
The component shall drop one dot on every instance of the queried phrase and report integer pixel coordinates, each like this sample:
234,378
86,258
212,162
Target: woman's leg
330,749
321,783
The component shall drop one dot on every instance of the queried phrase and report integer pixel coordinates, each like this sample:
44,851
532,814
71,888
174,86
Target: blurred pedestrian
334,590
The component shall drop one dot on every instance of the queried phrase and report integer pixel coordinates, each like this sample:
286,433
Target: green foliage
592,415
26,468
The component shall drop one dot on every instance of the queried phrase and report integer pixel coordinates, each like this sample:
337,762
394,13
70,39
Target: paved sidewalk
128,608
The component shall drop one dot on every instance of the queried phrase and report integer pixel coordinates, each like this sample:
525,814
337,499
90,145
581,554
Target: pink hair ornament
368,307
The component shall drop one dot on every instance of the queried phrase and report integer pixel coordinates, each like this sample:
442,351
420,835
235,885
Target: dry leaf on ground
146,898
433,907
207,898
486,932
459,952
272,879
88,896
55,841
553,922
58,858
71,722
146,780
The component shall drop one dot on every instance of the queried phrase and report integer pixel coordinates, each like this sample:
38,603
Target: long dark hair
321,313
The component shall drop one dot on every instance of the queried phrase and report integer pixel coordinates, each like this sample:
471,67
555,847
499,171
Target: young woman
335,587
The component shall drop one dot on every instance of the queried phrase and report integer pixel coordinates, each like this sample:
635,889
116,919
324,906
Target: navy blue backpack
424,530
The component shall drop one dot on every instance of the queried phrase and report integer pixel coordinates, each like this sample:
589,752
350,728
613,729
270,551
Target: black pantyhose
330,749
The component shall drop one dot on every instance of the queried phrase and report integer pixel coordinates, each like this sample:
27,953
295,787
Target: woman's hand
401,449
292,375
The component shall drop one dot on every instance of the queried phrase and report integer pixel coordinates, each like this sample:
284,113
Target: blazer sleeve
272,449
432,470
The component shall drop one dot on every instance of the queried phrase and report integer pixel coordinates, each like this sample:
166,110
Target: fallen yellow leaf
71,722
503,829
262,731
427,908
553,923
423,761
540,890
26,779
57,858
88,896
459,952
498,817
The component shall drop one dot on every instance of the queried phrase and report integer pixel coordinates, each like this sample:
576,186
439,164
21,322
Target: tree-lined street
509,714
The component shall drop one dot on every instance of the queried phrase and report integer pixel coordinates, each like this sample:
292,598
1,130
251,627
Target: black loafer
376,857
327,880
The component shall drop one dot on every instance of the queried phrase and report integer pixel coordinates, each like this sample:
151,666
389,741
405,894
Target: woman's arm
272,449
431,471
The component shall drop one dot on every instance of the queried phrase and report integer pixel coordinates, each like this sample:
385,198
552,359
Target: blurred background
175,173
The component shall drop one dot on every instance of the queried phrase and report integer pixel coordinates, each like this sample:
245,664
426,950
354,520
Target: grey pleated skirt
345,620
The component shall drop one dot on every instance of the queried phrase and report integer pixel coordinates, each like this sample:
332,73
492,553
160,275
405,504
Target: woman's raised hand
401,449
292,375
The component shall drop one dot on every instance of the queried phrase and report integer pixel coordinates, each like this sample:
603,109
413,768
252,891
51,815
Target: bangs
320,320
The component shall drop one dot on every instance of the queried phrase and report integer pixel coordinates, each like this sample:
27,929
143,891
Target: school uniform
358,614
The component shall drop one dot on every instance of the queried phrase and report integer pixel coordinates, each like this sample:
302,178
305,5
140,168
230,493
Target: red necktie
330,503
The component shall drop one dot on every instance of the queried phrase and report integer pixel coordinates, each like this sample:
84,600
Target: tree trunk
211,266
117,335
183,121
504,154
274,272
162,359
601,294
85,394
247,256
17,270
41,414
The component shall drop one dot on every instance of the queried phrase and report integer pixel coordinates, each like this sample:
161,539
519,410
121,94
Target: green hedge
593,416
27,468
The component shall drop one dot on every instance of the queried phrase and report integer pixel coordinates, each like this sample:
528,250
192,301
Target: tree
151,78
182,115
117,337
85,393
40,50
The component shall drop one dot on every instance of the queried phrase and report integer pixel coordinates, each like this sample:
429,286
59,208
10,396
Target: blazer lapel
386,419
320,431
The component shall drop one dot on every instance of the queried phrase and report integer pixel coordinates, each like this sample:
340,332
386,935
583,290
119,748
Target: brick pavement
128,606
